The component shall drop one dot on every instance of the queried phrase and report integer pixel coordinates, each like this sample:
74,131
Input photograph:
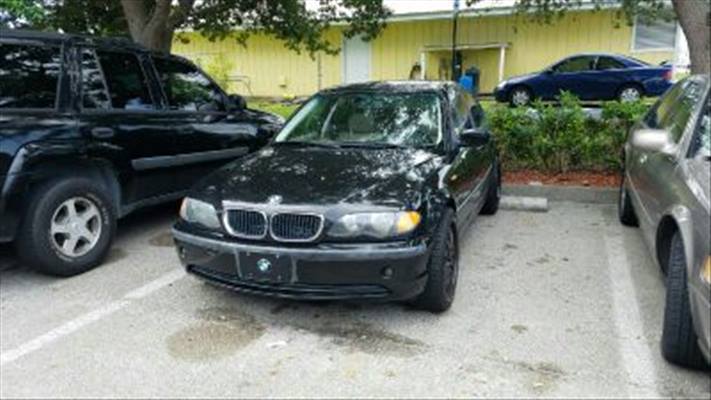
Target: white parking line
75,324
635,353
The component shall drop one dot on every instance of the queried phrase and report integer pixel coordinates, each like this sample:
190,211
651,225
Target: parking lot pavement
565,303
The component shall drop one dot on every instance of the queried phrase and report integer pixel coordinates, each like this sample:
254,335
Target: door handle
102,133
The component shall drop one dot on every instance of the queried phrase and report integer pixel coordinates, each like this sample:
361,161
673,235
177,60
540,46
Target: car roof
396,86
56,38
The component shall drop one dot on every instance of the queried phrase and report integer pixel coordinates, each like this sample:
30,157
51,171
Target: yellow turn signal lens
408,221
706,271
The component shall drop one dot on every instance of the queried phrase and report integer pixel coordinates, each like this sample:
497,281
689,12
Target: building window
653,35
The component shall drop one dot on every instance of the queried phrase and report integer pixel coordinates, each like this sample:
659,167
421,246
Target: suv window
576,64
604,63
95,94
186,88
126,81
29,76
663,107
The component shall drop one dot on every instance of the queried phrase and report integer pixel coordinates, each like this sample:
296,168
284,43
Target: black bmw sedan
362,195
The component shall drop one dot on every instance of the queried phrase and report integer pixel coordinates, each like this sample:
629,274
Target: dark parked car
362,195
91,129
665,191
590,77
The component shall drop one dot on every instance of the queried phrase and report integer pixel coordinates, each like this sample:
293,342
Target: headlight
379,225
706,271
199,212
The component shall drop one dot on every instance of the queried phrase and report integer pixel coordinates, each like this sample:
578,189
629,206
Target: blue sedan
590,77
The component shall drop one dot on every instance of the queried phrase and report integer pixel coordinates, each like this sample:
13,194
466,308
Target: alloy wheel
75,227
520,97
630,94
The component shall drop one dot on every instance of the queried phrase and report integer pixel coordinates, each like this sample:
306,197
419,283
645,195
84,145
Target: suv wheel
68,227
442,269
679,341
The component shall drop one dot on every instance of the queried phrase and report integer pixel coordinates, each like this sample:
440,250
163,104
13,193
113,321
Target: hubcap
451,266
629,94
76,227
520,97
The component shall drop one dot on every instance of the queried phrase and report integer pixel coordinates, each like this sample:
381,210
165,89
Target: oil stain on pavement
362,337
164,239
220,332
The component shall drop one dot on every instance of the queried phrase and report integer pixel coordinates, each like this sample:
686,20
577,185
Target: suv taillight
667,75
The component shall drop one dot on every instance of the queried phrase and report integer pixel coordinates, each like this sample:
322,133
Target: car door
576,75
208,131
121,117
654,173
468,165
610,74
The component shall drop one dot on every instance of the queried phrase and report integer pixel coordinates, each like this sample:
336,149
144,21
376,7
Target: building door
356,60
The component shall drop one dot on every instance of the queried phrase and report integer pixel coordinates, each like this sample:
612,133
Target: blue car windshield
399,119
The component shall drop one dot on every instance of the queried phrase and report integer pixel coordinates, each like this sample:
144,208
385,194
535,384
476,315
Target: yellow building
499,43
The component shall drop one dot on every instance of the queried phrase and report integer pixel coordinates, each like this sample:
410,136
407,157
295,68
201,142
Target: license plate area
266,268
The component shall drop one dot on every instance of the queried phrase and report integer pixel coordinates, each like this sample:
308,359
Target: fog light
387,273
706,271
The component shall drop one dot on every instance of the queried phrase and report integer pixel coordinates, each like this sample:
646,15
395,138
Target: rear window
29,76
128,88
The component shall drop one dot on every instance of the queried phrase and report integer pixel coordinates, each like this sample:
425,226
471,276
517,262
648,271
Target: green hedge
562,137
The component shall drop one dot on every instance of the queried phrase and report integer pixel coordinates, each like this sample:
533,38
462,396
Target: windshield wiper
305,143
373,145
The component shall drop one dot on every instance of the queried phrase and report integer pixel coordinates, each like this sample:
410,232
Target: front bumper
386,272
501,95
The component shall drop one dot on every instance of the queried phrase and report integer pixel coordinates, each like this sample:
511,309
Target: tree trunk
152,29
694,19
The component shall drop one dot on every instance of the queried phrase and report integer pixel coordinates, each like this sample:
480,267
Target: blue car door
578,76
610,75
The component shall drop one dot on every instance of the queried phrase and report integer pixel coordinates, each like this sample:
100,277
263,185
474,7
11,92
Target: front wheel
679,341
442,268
68,227
625,210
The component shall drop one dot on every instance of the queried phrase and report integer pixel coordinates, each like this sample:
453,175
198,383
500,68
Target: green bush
562,137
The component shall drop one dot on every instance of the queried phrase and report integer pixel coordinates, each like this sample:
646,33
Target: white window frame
634,49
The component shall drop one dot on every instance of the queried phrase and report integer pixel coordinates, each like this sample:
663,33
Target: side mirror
548,71
654,140
238,102
475,137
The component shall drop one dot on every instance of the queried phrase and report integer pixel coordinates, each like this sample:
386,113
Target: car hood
323,177
520,78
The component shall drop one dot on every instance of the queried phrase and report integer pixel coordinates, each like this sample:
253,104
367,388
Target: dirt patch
164,239
219,333
576,178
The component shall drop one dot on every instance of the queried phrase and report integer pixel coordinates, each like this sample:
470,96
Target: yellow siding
532,46
271,68
276,71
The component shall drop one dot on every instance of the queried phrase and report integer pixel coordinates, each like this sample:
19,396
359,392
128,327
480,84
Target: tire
625,210
442,268
629,92
493,192
679,340
46,233
520,96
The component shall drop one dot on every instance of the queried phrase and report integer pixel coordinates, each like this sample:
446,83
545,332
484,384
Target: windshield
402,119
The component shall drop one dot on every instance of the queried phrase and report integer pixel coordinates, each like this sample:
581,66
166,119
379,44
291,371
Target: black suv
92,129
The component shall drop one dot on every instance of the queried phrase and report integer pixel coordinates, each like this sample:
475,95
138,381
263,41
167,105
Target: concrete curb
578,194
523,203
